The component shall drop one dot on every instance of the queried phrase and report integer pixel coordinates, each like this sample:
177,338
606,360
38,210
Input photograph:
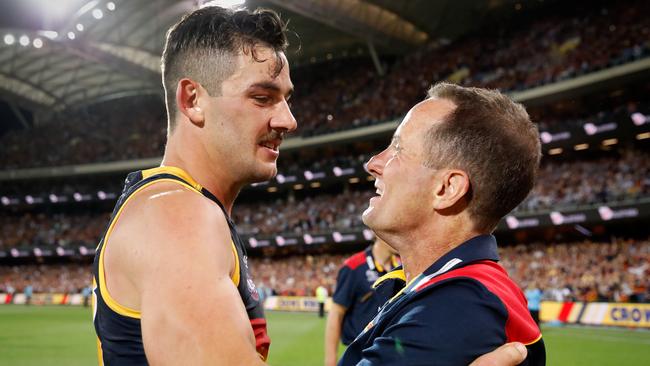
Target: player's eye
262,99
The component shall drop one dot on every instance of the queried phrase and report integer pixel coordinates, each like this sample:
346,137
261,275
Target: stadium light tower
54,11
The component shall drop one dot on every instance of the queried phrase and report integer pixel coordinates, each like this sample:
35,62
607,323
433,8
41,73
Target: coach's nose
375,166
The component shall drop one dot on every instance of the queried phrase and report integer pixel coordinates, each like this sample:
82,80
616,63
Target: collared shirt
354,292
463,306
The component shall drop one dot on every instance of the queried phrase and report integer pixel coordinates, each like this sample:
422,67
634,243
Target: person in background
534,297
29,291
355,302
321,296
85,293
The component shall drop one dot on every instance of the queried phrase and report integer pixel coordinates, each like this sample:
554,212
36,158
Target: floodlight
224,3
110,6
98,13
38,43
9,39
24,40
80,27
49,34
71,35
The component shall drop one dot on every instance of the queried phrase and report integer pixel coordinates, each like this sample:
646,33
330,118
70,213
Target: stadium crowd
618,270
45,278
568,183
41,230
554,47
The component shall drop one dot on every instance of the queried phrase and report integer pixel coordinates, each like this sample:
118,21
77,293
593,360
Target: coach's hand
509,354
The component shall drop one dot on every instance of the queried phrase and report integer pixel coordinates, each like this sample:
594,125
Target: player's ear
188,94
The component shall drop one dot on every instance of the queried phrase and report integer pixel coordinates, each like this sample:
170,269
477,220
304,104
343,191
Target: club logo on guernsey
249,282
372,276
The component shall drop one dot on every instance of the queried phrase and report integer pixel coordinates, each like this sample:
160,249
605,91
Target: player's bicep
184,324
191,310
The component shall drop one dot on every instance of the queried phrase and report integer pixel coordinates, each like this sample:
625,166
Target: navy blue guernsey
119,335
354,292
461,307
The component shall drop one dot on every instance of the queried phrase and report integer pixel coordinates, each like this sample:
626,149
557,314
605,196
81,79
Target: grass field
64,336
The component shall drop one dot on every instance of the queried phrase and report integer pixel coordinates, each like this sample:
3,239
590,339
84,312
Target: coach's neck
421,246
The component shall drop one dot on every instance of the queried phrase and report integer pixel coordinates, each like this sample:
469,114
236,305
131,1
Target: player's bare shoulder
162,224
165,210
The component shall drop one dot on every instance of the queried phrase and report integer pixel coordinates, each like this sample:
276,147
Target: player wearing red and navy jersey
354,302
462,306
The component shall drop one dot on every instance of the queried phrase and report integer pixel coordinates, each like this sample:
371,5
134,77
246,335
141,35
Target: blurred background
81,105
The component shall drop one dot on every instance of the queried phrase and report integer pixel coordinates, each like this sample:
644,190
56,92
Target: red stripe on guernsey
8,298
64,299
356,260
262,340
520,326
565,312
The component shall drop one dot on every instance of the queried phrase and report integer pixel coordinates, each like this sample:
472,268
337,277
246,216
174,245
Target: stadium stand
618,271
622,175
57,217
554,48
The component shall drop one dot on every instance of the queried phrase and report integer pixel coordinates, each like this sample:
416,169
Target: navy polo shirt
354,292
463,306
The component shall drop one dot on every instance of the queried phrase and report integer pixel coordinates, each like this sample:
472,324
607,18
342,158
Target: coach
459,161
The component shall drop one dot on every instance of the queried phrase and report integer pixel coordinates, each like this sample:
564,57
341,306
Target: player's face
249,119
404,185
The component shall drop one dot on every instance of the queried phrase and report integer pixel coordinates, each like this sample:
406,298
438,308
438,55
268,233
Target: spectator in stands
554,47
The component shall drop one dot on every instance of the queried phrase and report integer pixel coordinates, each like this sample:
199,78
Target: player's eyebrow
273,87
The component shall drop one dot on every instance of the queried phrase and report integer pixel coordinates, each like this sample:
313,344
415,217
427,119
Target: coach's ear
451,187
187,100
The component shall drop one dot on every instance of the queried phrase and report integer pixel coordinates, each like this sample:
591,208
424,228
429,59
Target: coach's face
249,119
404,184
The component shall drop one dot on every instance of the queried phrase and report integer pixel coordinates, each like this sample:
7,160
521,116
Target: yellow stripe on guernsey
535,341
235,275
194,186
100,353
398,273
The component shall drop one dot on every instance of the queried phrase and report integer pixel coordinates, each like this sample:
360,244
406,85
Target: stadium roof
57,55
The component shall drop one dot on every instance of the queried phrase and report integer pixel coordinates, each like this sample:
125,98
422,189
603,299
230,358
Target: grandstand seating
553,48
581,271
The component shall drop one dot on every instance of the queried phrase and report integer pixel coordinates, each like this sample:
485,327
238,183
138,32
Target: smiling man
171,279
172,284
459,161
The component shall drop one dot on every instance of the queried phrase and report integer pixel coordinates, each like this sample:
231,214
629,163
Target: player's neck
382,255
196,163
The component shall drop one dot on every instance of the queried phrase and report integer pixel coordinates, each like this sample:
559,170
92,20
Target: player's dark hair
202,45
493,140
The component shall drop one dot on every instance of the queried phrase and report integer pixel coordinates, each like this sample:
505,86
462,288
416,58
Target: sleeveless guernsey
119,335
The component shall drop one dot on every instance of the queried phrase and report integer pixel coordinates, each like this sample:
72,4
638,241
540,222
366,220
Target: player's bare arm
333,333
175,262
